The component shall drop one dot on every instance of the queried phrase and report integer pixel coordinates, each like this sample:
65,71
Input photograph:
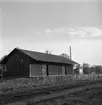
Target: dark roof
47,57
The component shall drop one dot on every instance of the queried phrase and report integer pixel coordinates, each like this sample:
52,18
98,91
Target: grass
18,85
29,84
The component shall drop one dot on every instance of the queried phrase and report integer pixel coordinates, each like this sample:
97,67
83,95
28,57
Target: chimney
70,53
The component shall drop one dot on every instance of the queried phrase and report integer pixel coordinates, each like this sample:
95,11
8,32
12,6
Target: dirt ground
88,97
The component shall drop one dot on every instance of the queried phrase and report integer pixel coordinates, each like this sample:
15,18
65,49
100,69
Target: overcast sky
53,25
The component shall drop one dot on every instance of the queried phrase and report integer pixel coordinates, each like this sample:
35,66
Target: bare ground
89,96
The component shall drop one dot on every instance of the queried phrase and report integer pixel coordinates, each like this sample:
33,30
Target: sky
53,25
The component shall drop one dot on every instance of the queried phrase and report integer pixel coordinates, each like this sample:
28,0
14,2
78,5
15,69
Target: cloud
49,0
82,32
48,31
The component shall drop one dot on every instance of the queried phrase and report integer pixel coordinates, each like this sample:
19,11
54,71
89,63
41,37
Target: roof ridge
46,57
42,53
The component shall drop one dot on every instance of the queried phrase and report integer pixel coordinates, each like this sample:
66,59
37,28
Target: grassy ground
28,84
18,85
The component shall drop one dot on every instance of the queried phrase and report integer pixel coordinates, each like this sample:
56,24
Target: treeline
87,69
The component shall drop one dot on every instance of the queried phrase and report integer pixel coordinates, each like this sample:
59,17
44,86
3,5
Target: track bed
46,94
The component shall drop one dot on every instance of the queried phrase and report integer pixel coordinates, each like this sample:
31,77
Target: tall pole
70,53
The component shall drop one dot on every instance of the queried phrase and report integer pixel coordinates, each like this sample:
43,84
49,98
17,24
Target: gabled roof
47,57
38,56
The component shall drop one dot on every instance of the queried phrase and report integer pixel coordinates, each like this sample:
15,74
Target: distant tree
76,68
3,57
86,68
1,70
65,55
86,65
2,66
98,69
93,69
48,52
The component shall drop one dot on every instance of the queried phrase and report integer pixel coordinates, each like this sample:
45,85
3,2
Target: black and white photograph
50,52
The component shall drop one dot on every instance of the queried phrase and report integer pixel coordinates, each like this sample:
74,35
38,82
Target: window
35,70
54,70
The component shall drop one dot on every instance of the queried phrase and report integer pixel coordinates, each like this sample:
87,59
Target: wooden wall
54,70
43,69
21,65
17,65
35,70
69,69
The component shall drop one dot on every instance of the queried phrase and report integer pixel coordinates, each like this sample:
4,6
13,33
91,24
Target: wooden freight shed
24,63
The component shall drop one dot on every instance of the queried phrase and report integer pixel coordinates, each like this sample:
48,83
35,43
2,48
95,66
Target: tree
76,68
98,69
65,55
2,66
3,57
0,69
48,52
86,68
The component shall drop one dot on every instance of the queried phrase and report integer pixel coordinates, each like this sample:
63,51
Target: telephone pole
70,53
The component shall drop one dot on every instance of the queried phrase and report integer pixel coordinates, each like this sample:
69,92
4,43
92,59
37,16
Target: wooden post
47,71
44,67
63,70
29,70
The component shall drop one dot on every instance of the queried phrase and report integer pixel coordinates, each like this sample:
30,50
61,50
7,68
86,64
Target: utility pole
70,53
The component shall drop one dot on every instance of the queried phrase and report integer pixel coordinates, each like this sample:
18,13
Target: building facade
25,63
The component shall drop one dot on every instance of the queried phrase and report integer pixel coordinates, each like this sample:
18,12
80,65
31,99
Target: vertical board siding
69,69
36,70
54,70
17,65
